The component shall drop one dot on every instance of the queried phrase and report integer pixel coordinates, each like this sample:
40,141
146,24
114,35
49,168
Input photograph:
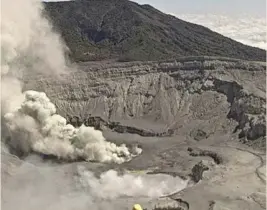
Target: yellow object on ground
137,207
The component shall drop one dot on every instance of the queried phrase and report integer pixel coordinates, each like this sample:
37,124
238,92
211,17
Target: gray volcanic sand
236,183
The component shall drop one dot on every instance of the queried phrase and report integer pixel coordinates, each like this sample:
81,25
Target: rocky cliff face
193,96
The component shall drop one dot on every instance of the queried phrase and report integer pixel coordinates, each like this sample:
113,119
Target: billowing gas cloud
36,126
114,186
27,40
30,123
29,46
57,187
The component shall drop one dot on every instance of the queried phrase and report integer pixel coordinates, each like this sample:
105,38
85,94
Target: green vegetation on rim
126,31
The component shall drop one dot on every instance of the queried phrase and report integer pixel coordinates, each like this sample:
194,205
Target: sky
256,8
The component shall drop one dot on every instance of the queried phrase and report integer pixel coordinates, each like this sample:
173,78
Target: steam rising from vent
54,188
28,46
27,41
114,186
36,126
30,123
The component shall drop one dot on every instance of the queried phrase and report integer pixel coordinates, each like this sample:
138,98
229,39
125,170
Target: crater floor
199,118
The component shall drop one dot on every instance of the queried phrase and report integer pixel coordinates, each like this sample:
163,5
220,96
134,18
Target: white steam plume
36,126
29,45
59,188
112,186
27,40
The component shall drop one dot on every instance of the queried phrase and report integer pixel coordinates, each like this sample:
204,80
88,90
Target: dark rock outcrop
198,170
100,124
199,152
